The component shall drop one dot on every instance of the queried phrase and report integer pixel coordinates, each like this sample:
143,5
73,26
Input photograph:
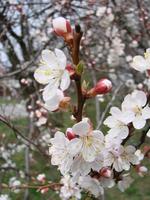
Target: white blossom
90,142
69,188
92,185
60,152
14,184
125,182
52,72
142,63
121,157
118,123
136,103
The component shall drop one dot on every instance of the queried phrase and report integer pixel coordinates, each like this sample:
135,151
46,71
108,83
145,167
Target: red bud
70,135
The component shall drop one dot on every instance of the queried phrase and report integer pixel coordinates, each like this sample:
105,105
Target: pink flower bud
41,178
103,86
44,190
61,26
70,135
105,172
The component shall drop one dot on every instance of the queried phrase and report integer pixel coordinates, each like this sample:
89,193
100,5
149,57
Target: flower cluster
88,159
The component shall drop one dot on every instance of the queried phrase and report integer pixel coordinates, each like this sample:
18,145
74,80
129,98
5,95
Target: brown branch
53,186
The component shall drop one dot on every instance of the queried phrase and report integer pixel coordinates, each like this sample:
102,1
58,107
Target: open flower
89,143
118,122
121,157
136,103
59,152
141,63
92,185
52,73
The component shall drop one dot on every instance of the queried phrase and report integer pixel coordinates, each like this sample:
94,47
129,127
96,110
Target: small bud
70,135
41,178
44,190
141,170
61,26
38,113
102,87
105,172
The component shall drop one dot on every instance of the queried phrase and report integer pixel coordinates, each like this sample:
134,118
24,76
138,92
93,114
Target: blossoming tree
90,159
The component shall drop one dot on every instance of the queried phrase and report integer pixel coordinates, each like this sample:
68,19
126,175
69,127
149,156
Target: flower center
88,141
137,110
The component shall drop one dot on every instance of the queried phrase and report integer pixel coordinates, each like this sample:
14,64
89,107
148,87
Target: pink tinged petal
139,122
146,112
65,80
50,59
111,122
75,146
59,25
61,58
50,90
53,103
81,128
41,75
140,98
139,63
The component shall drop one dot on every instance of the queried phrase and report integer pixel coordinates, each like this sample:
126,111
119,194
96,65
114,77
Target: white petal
148,133
50,59
139,63
139,122
111,122
117,165
61,58
115,111
140,97
130,149
89,153
127,117
75,146
146,112
65,80
120,132
53,103
50,90
42,75
81,128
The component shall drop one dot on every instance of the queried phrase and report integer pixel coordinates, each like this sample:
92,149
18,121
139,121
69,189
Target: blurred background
113,32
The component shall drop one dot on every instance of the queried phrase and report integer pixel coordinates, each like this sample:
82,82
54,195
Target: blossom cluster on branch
88,159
